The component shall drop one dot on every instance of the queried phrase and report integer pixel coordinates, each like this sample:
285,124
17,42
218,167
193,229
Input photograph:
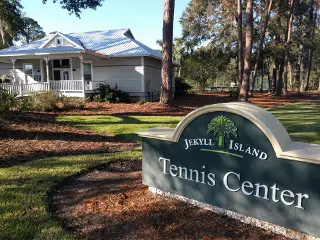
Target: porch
71,74
72,88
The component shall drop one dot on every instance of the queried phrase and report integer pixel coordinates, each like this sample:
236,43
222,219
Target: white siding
125,73
52,43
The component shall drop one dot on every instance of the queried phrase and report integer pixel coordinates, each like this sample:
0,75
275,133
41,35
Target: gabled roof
112,43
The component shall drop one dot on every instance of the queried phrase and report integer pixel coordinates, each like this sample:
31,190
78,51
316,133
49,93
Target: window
65,63
28,69
59,41
56,63
87,71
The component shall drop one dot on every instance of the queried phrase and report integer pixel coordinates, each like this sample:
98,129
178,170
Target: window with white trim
28,69
59,41
87,71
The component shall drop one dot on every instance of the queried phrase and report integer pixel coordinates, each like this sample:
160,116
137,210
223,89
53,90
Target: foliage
222,126
7,101
181,86
75,6
11,23
104,93
32,31
49,101
214,24
205,64
141,101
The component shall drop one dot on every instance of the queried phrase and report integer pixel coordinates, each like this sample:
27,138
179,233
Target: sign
238,157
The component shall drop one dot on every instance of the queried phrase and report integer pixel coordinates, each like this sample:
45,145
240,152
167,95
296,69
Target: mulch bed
111,203
185,104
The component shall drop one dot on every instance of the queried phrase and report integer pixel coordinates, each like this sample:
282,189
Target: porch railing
24,89
70,85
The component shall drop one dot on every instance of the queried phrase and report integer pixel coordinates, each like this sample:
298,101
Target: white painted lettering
225,181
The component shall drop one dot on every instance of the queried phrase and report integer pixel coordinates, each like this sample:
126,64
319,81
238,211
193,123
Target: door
66,75
56,74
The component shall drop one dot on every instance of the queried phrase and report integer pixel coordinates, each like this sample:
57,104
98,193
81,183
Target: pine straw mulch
111,203
185,104
28,136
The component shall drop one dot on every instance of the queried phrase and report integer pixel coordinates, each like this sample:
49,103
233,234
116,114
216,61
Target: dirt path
111,203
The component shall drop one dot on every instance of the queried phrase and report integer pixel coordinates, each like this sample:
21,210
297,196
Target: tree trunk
261,81
263,35
279,58
269,87
297,77
312,18
280,79
287,50
243,96
274,80
167,40
240,44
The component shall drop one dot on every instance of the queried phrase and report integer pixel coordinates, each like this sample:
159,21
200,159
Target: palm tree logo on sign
222,126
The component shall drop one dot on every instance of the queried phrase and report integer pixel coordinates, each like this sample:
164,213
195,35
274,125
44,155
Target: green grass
302,121
123,127
24,188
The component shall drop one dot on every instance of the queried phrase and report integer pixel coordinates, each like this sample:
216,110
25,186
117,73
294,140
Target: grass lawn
24,188
123,127
300,119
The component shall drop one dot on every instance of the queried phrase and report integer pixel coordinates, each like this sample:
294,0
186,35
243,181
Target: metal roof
112,43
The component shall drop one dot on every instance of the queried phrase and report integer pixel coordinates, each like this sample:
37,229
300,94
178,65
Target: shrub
141,101
181,86
49,101
104,93
7,101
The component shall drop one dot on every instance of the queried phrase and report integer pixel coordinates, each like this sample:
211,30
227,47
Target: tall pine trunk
240,43
287,49
274,80
313,19
243,96
297,77
261,80
167,40
280,58
263,35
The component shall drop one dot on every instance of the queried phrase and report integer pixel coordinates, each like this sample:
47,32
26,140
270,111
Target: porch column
14,69
41,69
71,66
82,73
47,70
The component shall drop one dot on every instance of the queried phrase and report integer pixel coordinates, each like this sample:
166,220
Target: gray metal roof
112,43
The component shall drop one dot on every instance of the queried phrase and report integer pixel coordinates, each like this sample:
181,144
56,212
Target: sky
143,17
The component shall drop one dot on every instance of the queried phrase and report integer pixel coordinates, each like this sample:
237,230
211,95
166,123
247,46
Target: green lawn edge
24,192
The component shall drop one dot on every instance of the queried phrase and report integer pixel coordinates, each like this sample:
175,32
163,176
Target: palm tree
222,126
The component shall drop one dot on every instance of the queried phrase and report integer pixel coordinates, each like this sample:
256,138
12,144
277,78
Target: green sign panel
237,157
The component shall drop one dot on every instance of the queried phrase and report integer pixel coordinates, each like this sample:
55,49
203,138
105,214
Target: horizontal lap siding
125,73
152,74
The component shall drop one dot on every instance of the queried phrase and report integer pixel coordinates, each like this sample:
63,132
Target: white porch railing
25,89
61,86
68,85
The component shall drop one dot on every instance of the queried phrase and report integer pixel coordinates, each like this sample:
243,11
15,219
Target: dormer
57,39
